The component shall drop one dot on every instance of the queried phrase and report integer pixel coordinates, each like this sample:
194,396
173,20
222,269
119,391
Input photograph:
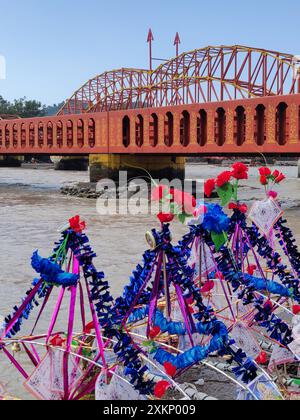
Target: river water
32,209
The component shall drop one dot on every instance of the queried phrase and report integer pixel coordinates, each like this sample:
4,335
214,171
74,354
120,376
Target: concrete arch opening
70,133
80,133
260,129
139,131
153,130
50,134
59,134
126,131
23,135
41,134
220,127
7,135
169,129
185,126
202,128
92,132
31,135
15,135
282,129
240,126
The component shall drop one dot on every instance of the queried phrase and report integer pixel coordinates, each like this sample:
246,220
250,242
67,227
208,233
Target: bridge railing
265,125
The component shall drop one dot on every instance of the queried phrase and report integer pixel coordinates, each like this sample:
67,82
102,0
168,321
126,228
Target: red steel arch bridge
210,101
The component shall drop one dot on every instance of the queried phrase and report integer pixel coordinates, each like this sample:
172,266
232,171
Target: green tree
22,107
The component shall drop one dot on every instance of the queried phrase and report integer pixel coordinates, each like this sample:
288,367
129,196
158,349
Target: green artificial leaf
219,239
235,192
182,218
225,193
147,344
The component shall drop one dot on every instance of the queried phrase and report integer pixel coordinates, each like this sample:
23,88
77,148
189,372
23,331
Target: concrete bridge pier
160,167
11,161
70,163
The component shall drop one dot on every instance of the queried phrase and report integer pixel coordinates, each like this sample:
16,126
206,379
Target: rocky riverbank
94,191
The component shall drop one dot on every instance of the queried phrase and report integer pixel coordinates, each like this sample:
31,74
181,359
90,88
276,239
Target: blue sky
53,46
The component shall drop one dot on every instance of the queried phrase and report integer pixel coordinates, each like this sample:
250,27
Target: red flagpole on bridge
177,42
150,39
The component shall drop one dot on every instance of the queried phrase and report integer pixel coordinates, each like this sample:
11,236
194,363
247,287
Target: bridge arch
282,124
213,73
169,129
260,128
202,128
220,126
185,128
139,130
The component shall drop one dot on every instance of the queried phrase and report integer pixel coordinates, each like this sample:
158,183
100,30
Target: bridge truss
210,74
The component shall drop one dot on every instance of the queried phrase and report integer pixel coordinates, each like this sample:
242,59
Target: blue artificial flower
215,220
52,273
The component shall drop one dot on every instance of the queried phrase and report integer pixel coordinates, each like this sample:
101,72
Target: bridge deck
268,125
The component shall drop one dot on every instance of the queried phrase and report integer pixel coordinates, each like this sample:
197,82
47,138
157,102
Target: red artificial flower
268,304
251,269
190,300
240,171
281,177
273,194
296,309
209,187
264,171
233,206
57,341
77,225
159,192
208,287
89,327
154,332
170,369
243,208
276,174
262,358
223,178
165,217
161,388
264,180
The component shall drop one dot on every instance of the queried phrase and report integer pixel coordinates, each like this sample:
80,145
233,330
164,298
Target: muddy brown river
32,209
